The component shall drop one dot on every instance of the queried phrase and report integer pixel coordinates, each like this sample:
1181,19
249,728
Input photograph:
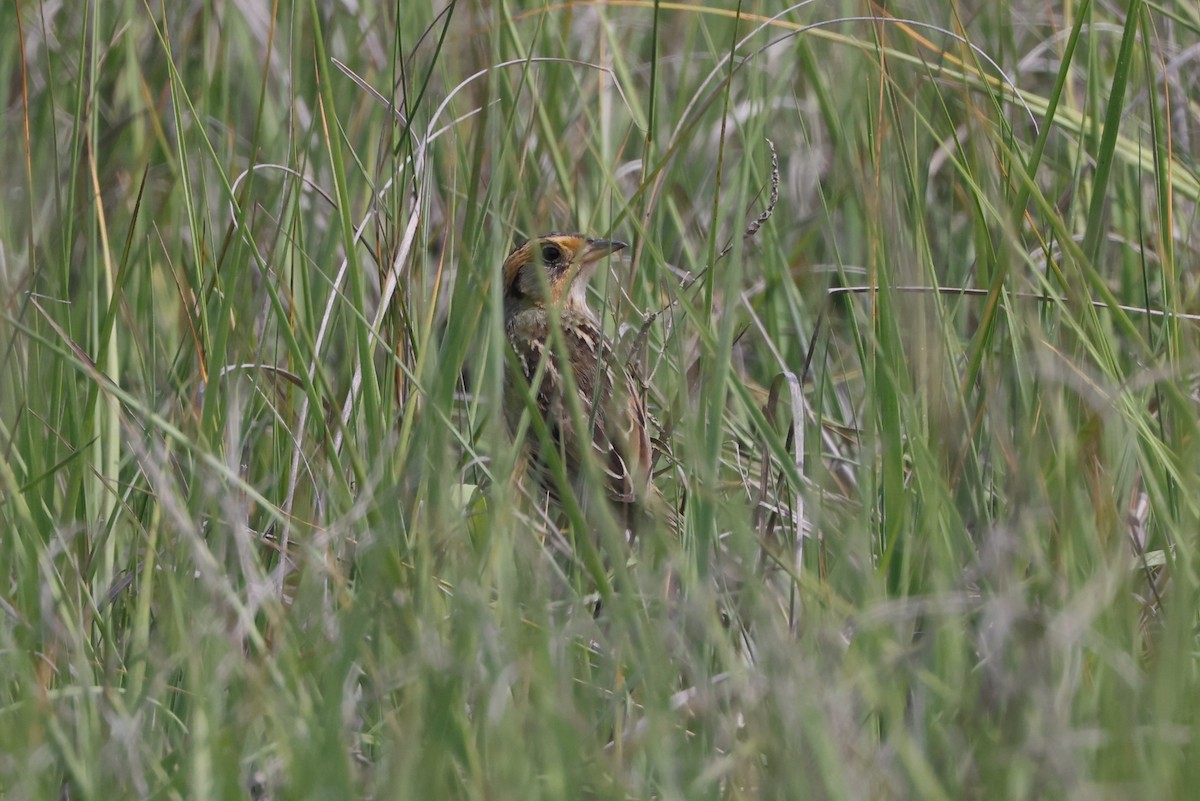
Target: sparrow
554,334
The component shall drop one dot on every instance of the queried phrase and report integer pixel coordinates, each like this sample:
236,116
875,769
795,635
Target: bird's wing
610,399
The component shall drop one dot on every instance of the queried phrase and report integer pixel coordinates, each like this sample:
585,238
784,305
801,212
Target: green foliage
264,531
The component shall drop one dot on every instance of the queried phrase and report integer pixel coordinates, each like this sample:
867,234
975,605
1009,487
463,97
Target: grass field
913,287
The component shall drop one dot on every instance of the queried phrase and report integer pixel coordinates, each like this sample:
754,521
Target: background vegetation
264,533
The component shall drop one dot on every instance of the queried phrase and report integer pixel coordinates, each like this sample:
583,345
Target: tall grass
931,426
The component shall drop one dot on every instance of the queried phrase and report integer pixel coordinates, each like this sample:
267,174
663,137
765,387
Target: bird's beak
599,248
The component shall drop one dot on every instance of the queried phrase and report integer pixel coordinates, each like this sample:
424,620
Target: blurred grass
265,534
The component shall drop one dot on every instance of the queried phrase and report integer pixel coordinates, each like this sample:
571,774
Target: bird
544,287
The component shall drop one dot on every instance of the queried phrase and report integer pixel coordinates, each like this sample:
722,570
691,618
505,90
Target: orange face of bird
545,270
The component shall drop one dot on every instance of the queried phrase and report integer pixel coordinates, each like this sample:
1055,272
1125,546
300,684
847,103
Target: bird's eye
551,253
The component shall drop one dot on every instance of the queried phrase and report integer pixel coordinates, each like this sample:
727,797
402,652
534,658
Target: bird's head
553,269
